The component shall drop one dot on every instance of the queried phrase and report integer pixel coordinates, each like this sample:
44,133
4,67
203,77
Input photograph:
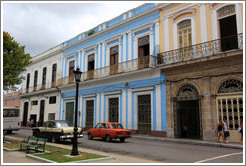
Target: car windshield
64,124
116,126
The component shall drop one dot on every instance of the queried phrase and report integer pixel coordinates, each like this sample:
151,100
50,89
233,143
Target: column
157,37
124,108
103,54
203,22
166,33
158,107
151,45
129,46
124,48
129,109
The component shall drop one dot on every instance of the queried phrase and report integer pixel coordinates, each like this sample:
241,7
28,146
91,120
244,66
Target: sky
41,26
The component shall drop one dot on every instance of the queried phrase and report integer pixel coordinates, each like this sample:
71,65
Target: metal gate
89,114
231,107
144,114
114,110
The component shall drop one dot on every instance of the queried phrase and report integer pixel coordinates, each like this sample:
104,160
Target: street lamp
77,75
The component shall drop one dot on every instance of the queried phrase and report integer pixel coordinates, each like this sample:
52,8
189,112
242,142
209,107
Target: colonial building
201,55
157,69
40,95
120,81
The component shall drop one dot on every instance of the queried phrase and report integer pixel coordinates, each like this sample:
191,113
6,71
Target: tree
14,62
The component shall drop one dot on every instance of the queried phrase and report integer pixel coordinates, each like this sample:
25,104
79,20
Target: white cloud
40,26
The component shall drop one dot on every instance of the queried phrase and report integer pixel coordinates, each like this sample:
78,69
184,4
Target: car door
95,131
103,130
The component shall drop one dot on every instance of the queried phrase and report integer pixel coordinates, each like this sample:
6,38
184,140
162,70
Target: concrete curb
191,142
10,150
39,158
32,156
93,160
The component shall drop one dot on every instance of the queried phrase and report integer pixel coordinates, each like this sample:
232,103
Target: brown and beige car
56,130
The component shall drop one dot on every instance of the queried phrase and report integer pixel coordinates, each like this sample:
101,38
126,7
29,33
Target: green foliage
14,61
91,32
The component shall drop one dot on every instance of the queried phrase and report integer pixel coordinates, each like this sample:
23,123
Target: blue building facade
120,81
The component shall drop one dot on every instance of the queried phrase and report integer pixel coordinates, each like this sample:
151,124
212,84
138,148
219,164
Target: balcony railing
132,65
201,50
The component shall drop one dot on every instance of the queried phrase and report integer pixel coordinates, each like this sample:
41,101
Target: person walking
226,132
219,129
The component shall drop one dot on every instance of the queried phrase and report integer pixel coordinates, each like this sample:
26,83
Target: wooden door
71,70
41,113
89,114
144,114
25,114
70,111
114,51
114,110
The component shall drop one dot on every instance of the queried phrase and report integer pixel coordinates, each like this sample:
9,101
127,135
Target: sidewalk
190,141
20,157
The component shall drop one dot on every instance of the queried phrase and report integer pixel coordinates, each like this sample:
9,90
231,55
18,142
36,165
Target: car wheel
90,136
107,138
122,139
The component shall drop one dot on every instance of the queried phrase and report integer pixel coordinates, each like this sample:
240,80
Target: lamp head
77,74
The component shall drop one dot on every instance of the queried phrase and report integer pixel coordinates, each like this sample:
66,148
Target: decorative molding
182,12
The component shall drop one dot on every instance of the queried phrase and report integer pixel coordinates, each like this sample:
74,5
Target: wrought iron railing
132,65
209,48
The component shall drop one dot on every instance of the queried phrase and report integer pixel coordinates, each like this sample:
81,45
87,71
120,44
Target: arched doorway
187,113
230,106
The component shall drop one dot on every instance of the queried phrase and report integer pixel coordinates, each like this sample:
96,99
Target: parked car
56,130
109,131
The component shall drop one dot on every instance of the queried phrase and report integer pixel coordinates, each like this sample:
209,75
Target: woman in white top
226,132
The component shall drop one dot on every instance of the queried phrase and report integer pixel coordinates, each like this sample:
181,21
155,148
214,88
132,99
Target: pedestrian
226,132
29,123
220,130
32,123
241,131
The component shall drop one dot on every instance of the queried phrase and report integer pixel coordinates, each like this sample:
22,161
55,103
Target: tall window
143,46
27,80
91,62
184,33
54,68
44,75
35,78
71,68
114,59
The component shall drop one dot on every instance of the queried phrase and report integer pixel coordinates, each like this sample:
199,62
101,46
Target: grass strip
56,154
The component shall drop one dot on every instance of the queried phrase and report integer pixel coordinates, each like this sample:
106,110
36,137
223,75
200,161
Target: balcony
201,50
124,67
132,65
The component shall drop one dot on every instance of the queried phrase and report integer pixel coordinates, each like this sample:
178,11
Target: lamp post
77,75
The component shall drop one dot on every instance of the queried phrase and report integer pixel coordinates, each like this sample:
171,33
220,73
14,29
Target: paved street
158,151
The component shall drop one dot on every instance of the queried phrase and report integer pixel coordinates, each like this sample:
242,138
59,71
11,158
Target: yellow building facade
201,55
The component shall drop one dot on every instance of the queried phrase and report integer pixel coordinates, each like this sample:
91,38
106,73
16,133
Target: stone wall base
153,133
209,135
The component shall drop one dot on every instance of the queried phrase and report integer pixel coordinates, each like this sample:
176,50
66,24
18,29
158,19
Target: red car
109,131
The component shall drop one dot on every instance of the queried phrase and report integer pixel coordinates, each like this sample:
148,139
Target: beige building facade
201,56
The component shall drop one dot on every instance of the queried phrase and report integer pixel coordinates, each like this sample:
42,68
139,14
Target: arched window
187,91
231,86
226,11
184,34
